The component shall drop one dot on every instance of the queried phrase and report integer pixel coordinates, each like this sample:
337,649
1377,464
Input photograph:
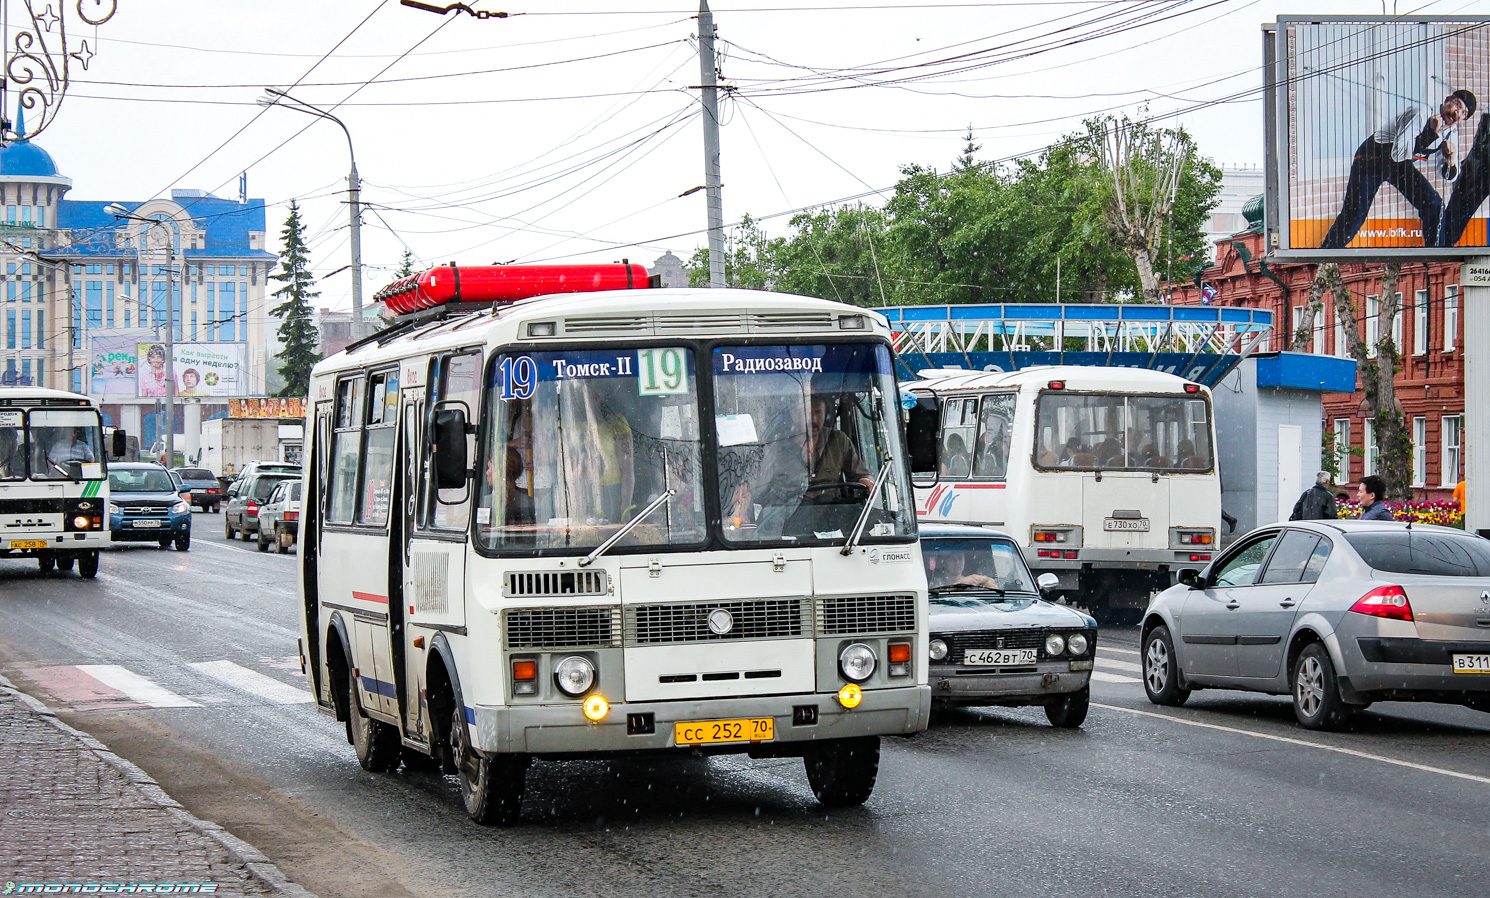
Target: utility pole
171,351
712,184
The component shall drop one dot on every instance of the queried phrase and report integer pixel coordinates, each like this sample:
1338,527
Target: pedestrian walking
1369,493
1316,503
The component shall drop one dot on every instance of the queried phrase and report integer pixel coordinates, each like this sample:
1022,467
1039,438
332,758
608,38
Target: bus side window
456,382
345,448
957,437
375,491
995,420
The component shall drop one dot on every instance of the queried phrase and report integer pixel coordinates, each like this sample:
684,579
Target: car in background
246,497
994,640
1337,614
146,506
279,518
266,467
206,492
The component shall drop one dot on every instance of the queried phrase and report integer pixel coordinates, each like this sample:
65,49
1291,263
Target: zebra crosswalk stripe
138,688
253,682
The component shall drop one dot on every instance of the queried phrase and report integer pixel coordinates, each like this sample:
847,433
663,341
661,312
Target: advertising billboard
1379,139
113,361
201,369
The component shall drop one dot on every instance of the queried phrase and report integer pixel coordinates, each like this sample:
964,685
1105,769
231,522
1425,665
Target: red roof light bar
505,283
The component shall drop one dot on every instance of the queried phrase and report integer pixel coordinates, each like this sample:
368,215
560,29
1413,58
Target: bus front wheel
376,743
88,564
65,562
46,563
492,788
842,771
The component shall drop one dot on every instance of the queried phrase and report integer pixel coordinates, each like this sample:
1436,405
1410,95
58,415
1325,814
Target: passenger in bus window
516,508
954,456
989,458
12,460
616,462
1069,452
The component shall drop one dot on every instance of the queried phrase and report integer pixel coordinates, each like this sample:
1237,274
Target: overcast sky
568,130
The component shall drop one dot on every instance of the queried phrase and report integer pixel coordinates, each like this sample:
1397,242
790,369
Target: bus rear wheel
65,562
376,743
842,771
88,564
492,788
46,563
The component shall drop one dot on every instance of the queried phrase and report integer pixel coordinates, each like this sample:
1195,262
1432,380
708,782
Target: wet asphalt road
1223,797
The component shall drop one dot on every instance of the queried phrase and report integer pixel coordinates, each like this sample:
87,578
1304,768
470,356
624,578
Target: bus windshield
1117,432
580,441
803,432
55,440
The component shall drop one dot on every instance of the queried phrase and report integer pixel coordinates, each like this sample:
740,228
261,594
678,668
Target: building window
1420,323
1450,318
1419,451
1298,323
1319,347
1373,325
1397,327
1369,432
10,328
41,330
1342,449
26,329
1450,447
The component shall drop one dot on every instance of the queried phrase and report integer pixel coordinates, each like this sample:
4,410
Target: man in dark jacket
1316,503
1370,493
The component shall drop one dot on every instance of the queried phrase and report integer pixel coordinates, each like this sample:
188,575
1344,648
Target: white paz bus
54,484
1106,476
620,521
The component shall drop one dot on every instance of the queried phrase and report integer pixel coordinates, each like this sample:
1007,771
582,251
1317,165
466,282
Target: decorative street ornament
39,58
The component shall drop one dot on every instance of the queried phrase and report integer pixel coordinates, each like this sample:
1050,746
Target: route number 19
661,372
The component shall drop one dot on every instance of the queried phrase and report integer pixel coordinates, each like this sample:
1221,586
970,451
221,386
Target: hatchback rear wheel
1316,691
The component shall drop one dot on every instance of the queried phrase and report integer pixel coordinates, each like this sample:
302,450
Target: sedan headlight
1054,644
574,675
857,662
1077,643
937,649
180,508
114,509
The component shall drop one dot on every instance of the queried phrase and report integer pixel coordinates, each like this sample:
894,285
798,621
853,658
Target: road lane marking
138,688
1119,665
1108,648
253,682
1383,759
1104,677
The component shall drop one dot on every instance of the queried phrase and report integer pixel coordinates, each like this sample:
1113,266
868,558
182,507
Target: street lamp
119,211
275,97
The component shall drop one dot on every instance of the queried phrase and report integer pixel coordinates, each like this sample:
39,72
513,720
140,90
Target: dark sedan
206,492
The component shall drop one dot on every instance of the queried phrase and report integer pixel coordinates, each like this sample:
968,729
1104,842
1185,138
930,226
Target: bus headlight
937,649
1054,644
574,675
81,522
856,662
1077,643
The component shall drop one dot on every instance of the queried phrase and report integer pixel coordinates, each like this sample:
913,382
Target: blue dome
23,159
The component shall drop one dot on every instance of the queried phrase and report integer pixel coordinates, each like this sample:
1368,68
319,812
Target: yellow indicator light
596,708
850,696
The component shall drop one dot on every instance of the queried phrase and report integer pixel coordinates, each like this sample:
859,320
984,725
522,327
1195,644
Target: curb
258,865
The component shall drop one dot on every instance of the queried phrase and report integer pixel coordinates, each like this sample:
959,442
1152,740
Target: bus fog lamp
850,696
857,662
574,675
596,708
1054,644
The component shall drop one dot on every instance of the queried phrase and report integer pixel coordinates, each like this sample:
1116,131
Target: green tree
406,265
749,259
297,329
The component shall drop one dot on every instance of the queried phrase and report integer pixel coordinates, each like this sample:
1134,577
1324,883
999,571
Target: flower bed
1445,514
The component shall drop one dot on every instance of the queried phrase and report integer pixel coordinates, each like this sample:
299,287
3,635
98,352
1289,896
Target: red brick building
1428,332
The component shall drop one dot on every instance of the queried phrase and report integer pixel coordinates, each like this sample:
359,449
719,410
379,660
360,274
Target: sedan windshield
583,441
140,481
803,432
971,564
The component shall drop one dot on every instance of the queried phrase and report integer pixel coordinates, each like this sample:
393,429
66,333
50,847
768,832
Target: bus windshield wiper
853,539
627,527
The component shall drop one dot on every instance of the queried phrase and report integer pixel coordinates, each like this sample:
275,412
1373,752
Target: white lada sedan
994,641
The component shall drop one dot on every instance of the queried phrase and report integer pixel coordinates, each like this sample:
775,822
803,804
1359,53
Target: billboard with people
113,360
200,369
1380,142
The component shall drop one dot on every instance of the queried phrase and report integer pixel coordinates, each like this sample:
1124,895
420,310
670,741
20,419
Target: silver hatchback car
1339,614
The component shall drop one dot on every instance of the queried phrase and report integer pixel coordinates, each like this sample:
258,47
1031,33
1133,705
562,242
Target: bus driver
804,458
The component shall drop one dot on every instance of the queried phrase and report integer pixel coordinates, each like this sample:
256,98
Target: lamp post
120,212
71,330
275,97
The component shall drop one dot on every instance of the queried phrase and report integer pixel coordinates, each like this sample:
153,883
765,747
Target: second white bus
1106,476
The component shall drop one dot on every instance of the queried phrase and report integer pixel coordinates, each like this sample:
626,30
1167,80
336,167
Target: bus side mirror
451,464
922,424
120,444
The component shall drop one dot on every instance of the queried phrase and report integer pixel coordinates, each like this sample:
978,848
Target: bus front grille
544,584
689,622
840,615
548,628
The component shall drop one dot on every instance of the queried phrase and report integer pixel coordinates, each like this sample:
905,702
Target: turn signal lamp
1385,601
525,678
900,659
850,696
596,708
